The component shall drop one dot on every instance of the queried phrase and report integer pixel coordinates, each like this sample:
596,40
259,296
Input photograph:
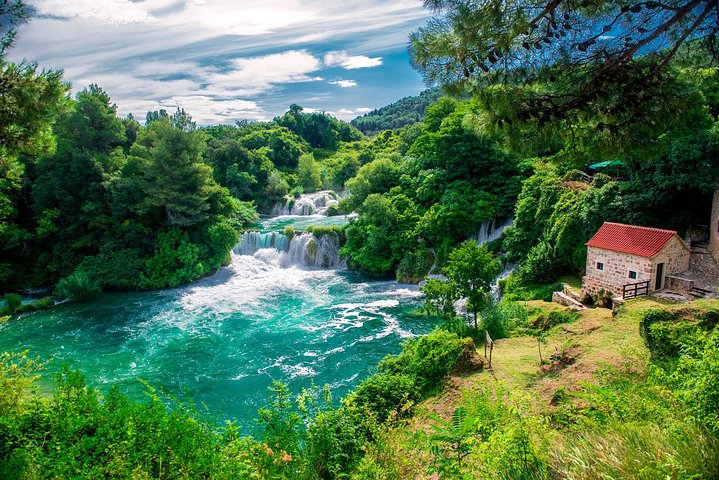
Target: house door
660,276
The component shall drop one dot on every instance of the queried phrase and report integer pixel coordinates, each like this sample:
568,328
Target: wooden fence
634,290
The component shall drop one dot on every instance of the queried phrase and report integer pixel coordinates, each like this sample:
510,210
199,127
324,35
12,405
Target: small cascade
305,249
309,250
492,229
503,274
252,242
308,204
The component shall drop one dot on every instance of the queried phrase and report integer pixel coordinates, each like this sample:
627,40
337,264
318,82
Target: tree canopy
563,63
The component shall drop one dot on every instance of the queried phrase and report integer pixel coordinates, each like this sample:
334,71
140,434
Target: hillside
597,407
403,112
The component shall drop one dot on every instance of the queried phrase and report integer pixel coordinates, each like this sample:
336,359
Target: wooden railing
634,290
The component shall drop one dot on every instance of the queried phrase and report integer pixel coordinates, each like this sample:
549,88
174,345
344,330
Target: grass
583,433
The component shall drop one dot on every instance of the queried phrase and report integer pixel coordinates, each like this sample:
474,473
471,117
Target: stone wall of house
616,270
714,228
675,256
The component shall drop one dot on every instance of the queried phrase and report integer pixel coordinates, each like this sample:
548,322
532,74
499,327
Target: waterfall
492,229
307,204
305,249
309,250
251,242
503,275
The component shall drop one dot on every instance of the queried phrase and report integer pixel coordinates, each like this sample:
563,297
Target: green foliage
504,318
308,174
385,396
17,373
13,301
79,285
176,261
513,290
406,111
427,360
440,297
334,444
696,377
545,321
472,269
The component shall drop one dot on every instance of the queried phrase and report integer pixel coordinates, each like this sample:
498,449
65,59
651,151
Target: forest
538,121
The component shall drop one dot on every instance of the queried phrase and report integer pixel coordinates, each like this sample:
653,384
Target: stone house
621,255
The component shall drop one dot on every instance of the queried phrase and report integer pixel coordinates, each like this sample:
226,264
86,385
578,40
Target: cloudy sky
225,60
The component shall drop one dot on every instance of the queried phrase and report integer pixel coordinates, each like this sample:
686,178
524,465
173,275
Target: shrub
500,319
603,298
545,321
77,286
12,302
415,265
427,359
297,191
334,443
384,395
289,232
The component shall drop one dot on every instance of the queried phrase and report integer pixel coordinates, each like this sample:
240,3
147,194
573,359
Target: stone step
699,292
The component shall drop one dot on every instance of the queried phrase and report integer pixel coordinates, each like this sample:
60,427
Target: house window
632,275
600,266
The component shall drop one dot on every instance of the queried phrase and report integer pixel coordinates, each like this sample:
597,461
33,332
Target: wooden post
488,343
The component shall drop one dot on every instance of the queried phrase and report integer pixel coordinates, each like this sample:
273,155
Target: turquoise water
299,222
220,342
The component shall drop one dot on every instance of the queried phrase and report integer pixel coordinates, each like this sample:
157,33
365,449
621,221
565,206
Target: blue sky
225,60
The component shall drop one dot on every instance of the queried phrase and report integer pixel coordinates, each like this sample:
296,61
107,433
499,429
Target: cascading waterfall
309,250
308,204
492,229
252,242
305,249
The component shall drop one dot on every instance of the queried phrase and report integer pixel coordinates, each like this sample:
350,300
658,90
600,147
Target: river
221,341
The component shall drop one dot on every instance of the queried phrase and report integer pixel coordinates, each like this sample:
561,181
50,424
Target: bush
297,191
545,321
385,395
500,319
513,289
415,265
334,443
13,301
289,232
77,286
427,359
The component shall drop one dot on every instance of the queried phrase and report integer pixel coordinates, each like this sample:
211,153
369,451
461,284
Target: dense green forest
403,112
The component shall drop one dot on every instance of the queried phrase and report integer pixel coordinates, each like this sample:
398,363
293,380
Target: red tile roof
642,241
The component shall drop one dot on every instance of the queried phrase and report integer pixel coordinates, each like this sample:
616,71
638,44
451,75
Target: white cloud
363,110
344,83
344,111
105,11
254,75
342,59
254,21
148,54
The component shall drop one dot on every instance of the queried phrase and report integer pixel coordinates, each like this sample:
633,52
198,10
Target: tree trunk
475,319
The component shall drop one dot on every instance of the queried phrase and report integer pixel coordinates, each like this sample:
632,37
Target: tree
472,268
174,180
546,61
308,173
12,13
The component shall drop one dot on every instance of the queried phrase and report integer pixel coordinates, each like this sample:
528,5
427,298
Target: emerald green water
299,222
221,341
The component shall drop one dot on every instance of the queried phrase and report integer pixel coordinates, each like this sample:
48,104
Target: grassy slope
597,343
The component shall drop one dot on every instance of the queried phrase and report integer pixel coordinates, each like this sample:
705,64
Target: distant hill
396,115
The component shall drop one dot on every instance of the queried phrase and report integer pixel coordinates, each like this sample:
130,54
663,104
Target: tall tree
472,269
175,183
